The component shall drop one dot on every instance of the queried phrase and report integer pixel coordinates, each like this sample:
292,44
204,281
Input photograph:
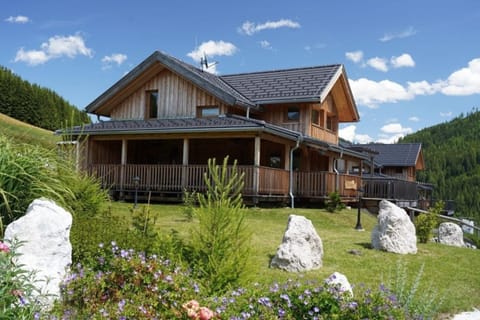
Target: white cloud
465,81
392,132
446,114
378,64
395,128
410,31
355,56
348,133
55,47
414,119
250,28
371,93
211,49
115,58
265,44
404,60
31,57
17,19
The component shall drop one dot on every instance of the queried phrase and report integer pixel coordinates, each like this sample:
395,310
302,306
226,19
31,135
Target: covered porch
273,168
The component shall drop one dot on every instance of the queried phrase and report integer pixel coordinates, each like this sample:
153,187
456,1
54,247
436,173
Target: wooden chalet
167,118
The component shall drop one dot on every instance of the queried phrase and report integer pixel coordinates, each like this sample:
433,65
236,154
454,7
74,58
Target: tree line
36,105
452,158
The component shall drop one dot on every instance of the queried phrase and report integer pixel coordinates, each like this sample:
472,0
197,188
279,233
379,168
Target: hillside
22,132
36,105
452,157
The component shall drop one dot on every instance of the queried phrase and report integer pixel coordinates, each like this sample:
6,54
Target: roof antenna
204,62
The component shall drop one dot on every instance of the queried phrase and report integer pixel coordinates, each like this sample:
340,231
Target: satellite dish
204,62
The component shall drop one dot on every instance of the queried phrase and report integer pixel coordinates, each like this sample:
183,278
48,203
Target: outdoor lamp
359,227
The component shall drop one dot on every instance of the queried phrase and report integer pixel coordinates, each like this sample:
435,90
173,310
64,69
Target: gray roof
392,155
300,84
246,89
227,123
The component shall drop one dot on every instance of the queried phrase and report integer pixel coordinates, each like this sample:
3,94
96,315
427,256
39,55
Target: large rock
394,231
46,249
301,248
450,234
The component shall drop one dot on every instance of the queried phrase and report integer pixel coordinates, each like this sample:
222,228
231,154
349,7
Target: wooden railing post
123,165
185,163
256,169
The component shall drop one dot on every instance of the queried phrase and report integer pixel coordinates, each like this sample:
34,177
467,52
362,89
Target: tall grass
28,172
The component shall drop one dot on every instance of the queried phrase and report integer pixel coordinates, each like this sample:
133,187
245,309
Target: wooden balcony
258,181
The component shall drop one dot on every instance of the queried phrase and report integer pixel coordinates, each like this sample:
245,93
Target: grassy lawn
25,133
449,271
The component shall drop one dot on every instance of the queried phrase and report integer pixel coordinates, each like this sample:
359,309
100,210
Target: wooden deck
258,181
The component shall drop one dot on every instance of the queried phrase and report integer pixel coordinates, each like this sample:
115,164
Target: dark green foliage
334,202
220,241
452,158
36,105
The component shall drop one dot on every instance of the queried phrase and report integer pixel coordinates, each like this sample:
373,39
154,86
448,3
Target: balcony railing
257,180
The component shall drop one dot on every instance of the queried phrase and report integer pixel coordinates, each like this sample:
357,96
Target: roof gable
155,63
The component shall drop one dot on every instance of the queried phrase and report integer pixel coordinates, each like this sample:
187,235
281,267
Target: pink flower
191,305
4,247
205,314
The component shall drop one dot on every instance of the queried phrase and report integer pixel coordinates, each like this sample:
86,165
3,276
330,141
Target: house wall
177,98
325,130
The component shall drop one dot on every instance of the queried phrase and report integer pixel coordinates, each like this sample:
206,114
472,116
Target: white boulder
301,248
44,233
450,234
394,231
340,282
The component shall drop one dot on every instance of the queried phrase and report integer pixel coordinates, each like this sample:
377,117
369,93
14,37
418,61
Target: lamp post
136,181
359,227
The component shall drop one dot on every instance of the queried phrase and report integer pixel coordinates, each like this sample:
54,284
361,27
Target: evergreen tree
36,105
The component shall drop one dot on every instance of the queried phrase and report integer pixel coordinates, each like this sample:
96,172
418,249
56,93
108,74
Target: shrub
125,284
220,240
26,173
425,223
19,298
334,202
418,304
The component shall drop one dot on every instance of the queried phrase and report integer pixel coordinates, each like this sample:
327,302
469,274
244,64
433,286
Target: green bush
418,304
425,223
334,202
19,298
26,173
220,240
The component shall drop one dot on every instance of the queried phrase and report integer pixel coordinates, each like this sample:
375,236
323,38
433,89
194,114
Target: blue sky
411,64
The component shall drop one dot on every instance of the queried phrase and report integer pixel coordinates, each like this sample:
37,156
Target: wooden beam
256,163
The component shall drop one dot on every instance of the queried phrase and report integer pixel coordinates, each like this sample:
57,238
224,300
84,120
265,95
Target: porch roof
225,124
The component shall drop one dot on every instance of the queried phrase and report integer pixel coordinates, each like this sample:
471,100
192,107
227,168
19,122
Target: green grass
451,272
22,132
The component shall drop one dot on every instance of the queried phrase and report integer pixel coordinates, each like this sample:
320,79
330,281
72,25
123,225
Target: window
316,117
293,114
208,111
332,123
152,104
